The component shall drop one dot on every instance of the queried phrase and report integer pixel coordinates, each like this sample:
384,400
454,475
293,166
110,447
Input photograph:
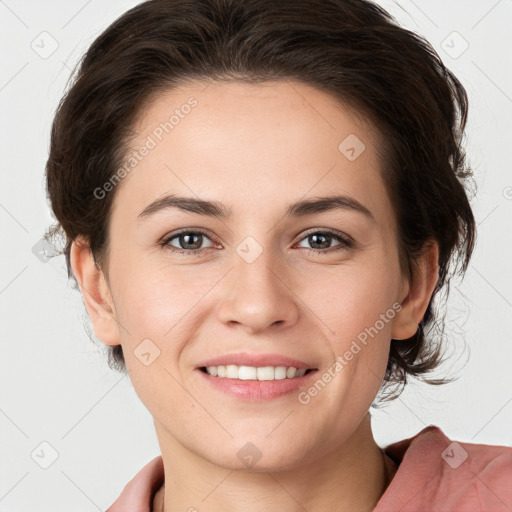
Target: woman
260,202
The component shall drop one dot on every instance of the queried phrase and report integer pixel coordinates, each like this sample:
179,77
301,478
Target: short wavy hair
351,49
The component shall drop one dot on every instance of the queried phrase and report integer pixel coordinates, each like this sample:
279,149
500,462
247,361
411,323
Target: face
313,286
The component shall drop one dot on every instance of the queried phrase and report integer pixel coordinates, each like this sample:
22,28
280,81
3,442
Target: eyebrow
218,210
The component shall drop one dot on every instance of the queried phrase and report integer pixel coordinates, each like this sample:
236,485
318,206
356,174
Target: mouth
256,373
256,377
256,383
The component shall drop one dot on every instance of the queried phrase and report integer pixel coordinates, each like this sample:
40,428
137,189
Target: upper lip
257,360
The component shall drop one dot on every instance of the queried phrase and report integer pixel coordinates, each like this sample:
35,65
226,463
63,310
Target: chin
259,455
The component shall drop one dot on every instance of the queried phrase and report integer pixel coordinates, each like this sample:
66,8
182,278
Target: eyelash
346,242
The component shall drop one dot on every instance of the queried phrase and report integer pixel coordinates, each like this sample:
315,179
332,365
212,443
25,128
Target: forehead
253,144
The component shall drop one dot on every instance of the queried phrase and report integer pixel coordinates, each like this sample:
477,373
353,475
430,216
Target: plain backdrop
60,404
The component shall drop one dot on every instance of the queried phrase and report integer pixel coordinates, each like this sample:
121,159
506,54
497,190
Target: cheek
157,314
161,300
352,299
358,309
162,303
143,293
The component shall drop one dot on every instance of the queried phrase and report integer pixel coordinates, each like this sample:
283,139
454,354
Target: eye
189,241
322,240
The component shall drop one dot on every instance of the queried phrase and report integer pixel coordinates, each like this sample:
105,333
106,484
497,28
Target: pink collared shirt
434,474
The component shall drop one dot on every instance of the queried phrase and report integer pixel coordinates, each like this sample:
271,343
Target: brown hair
351,49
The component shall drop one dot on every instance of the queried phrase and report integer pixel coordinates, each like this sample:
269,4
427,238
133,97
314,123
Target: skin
256,149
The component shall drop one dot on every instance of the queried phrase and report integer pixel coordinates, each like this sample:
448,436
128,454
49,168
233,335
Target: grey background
55,385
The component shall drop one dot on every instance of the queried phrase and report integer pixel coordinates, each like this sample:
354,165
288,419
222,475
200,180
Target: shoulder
139,493
437,473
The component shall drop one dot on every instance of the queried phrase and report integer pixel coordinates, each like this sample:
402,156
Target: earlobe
95,292
415,304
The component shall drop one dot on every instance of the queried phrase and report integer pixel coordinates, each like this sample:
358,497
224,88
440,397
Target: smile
261,373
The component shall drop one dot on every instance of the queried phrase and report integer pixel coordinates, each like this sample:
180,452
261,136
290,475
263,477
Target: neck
350,477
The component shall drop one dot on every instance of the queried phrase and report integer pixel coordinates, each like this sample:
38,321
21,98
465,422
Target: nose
257,295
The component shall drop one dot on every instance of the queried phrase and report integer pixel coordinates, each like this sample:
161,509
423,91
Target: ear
95,292
421,287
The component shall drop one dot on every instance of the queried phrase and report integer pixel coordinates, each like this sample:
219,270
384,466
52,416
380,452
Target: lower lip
257,390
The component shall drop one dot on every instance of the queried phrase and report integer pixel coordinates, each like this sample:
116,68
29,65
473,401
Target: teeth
232,371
